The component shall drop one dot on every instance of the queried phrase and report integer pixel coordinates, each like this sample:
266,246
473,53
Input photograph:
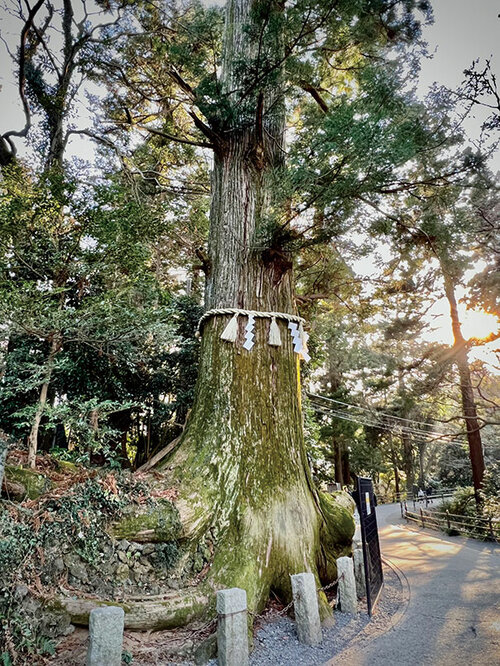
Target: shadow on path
453,613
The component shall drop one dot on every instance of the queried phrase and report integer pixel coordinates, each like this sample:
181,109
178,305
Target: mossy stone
336,530
34,483
161,523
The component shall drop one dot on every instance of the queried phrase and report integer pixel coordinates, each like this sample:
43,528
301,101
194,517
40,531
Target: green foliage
167,554
127,657
454,465
77,269
368,459
462,503
490,491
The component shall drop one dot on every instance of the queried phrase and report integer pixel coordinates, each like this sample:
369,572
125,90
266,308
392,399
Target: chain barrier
268,612
286,608
330,585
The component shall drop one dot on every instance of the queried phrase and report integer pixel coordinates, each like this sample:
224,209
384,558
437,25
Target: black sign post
371,547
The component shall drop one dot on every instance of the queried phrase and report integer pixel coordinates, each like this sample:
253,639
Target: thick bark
469,410
33,436
241,467
244,485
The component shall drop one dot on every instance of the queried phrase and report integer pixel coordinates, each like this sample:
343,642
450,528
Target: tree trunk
469,410
339,463
346,465
421,453
244,485
397,488
408,462
241,467
33,436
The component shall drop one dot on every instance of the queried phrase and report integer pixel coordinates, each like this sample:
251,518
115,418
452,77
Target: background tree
443,225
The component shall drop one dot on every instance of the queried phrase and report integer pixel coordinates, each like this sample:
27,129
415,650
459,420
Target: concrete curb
401,612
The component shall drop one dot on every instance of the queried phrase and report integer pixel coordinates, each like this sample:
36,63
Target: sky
463,31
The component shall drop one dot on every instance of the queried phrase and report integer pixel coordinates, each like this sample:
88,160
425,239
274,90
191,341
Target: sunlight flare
479,324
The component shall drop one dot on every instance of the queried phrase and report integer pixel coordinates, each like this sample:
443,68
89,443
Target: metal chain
265,613
285,610
334,582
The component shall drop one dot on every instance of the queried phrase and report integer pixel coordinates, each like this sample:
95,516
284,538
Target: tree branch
172,137
315,95
22,83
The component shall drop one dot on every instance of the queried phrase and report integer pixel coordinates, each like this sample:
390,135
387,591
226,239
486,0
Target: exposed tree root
171,610
258,552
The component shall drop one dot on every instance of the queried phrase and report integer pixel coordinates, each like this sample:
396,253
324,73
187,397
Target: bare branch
207,131
172,137
22,74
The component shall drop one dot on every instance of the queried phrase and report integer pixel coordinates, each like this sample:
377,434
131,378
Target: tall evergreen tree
237,89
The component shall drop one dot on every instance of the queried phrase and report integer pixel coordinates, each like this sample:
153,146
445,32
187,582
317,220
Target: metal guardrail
393,498
410,497
477,527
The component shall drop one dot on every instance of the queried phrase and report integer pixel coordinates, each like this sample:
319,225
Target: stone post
105,636
305,605
232,627
347,585
359,572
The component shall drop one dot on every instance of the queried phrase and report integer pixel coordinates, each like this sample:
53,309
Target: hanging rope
230,333
248,313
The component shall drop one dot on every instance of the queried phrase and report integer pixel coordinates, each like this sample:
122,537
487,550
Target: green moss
336,531
35,484
82,618
161,523
66,466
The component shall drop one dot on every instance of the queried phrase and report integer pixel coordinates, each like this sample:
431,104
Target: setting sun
475,323
478,324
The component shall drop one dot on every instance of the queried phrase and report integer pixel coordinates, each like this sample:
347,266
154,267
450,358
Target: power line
416,438
419,436
385,414
365,409
328,412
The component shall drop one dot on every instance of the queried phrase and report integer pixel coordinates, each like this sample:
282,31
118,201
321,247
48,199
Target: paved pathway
452,613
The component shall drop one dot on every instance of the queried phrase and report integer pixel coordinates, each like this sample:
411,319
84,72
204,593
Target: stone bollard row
305,605
105,636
